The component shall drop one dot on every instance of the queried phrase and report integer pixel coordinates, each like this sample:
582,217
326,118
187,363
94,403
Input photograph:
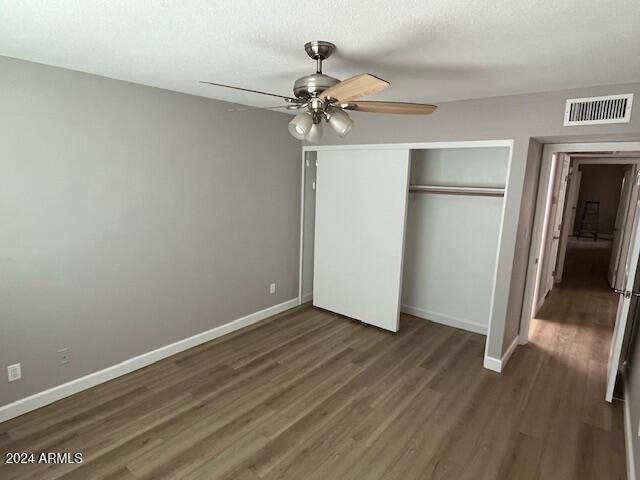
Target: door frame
622,216
490,361
574,189
624,305
569,217
539,223
556,213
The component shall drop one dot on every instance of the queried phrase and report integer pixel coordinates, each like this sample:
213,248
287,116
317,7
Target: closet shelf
481,191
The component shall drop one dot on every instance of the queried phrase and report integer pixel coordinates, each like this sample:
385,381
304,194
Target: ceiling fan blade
288,99
290,106
355,87
402,108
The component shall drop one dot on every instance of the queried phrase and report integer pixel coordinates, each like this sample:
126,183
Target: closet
412,228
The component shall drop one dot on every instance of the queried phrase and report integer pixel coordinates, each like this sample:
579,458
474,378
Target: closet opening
584,255
456,199
441,222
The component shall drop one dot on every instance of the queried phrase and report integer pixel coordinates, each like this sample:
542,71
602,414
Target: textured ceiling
430,51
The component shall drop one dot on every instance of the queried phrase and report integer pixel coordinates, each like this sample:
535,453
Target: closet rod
482,191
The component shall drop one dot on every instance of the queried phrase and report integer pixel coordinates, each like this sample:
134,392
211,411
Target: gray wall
523,242
133,217
527,119
600,183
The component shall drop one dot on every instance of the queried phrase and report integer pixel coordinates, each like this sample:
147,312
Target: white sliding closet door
361,204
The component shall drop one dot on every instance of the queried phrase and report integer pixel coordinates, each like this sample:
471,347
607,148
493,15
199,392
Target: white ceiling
430,50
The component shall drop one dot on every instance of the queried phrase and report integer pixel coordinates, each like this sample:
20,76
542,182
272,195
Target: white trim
411,146
492,364
302,194
306,297
443,319
536,237
58,392
512,348
507,196
606,161
539,306
629,435
497,365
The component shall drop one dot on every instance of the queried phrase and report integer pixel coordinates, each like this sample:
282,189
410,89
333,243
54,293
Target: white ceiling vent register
598,110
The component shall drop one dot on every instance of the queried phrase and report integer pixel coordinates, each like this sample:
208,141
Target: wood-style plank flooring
314,396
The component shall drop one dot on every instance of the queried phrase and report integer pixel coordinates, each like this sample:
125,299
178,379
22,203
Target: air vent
598,110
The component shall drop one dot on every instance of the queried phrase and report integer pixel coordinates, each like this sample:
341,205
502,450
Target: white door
361,207
569,219
621,235
627,277
557,210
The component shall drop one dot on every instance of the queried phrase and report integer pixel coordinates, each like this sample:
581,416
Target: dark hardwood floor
315,396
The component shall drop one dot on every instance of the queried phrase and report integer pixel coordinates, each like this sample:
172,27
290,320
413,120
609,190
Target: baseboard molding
444,319
306,297
507,355
492,363
59,392
629,435
539,305
498,364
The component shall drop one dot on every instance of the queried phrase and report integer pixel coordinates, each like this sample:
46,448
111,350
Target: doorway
584,244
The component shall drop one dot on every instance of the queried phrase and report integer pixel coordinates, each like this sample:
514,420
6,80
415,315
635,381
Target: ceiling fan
325,97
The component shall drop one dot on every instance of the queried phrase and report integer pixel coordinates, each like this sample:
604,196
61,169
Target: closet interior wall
451,241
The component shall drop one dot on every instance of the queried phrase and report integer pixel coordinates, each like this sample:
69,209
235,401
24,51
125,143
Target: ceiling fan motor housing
312,85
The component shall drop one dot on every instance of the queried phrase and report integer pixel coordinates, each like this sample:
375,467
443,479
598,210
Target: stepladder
590,219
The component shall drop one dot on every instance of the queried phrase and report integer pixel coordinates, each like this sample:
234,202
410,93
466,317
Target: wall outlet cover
63,356
14,372
272,288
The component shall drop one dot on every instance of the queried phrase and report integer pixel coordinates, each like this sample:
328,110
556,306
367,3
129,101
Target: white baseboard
306,297
498,364
539,305
58,392
630,434
507,355
444,319
491,363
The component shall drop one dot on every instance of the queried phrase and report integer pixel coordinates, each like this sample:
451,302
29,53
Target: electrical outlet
272,288
14,372
63,356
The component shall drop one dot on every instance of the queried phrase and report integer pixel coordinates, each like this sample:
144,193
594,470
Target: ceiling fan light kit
300,126
315,133
339,120
326,98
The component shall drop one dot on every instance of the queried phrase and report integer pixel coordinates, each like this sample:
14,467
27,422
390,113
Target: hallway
573,329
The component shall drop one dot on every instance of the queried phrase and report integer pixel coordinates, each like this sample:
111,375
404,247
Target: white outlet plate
14,372
63,356
272,288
